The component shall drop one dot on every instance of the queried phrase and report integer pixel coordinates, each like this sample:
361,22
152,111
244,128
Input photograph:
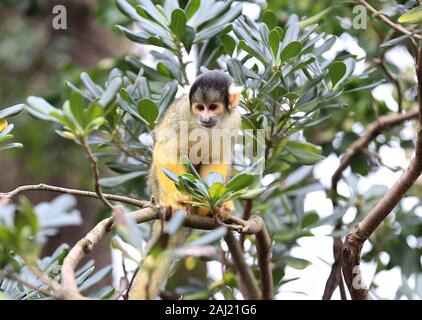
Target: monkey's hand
224,211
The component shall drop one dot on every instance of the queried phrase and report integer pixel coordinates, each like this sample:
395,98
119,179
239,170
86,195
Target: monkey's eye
213,107
200,107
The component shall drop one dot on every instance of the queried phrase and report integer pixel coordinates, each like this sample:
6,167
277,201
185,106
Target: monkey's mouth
208,125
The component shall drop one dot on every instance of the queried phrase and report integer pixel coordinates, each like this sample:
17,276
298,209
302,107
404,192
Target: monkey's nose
208,122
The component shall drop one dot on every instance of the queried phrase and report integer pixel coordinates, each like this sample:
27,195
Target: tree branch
247,213
384,123
75,192
87,244
334,279
263,247
381,124
356,238
250,289
387,21
96,173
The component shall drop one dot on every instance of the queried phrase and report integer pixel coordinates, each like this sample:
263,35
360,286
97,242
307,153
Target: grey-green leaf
178,23
148,110
290,51
11,111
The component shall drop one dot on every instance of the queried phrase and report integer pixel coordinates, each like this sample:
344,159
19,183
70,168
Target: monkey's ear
234,95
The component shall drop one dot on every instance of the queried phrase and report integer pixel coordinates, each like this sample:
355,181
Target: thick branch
263,247
87,244
382,124
357,237
249,287
75,192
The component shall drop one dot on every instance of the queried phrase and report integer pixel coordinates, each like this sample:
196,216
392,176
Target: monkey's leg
147,284
224,171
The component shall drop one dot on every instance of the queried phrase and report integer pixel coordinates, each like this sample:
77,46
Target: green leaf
178,23
188,38
396,41
148,111
168,95
235,68
26,216
127,9
11,111
270,19
119,180
212,178
297,263
292,30
163,70
251,194
280,32
291,51
209,238
229,43
336,72
77,104
303,152
239,181
189,167
176,222
192,7
11,146
90,85
156,41
171,175
274,42
316,18
110,93
366,87
217,190
413,16
309,220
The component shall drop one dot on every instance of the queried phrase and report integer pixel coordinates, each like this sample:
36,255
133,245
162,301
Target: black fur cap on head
212,86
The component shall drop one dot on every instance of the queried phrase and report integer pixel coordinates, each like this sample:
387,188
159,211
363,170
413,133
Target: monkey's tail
147,283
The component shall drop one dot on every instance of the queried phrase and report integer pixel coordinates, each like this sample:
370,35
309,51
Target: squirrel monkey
209,111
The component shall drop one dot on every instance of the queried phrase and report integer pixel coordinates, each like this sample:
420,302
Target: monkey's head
212,96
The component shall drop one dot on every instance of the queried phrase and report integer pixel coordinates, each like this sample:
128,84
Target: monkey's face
208,114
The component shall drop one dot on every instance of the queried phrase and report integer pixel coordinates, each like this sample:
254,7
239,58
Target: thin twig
76,192
96,173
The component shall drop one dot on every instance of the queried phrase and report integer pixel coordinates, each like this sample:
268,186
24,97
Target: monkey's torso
175,136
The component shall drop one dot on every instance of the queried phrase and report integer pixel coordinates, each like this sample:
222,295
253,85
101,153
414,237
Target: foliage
299,89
